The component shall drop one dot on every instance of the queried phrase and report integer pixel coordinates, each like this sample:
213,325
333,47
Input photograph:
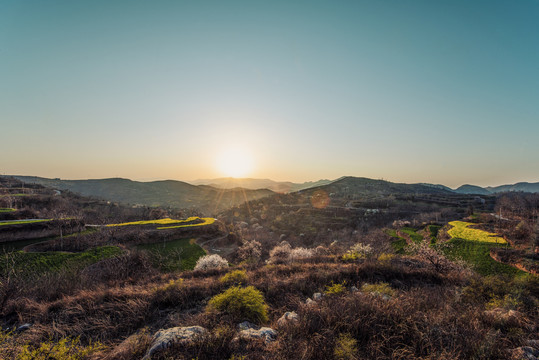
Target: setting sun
235,162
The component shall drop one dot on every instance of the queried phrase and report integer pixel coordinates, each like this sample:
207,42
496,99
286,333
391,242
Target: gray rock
246,325
288,318
23,327
163,339
317,296
354,289
266,333
530,350
310,302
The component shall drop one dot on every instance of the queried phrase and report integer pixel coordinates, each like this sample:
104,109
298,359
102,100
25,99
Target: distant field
6,210
192,221
206,221
53,261
181,254
398,244
477,253
473,246
17,222
433,232
462,230
412,233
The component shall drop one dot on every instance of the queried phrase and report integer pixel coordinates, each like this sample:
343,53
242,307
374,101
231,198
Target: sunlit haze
407,91
235,162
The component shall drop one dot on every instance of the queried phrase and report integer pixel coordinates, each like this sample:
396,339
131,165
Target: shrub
250,251
385,258
172,285
300,253
345,347
65,349
358,251
508,302
242,303
280,253
335,289
378,289
210,262
234,277
434,255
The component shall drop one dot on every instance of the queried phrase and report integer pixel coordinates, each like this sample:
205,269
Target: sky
408,91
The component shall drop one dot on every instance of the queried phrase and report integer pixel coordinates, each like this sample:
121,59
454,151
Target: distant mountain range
253,184
349,185
286,186
167,193
224,193
521,186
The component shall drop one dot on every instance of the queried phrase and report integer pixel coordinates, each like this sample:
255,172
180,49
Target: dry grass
426,318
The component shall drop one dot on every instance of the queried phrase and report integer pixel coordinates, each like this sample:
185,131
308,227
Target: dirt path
209,246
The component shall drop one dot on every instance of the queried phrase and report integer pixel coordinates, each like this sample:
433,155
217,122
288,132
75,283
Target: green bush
243,303
234,277
335,289
65,349
508,302
345,347
379,289
385,258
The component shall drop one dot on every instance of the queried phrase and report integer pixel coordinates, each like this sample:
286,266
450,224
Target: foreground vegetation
319,282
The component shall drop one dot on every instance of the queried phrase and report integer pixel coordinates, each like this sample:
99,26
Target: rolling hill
253,184
359,185
521,186
167,193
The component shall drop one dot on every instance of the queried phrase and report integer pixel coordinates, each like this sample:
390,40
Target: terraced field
462,230
53,261
189,222
18,222
474,245
399,243
180,254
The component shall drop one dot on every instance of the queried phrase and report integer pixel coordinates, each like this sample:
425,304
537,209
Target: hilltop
166,193
249,183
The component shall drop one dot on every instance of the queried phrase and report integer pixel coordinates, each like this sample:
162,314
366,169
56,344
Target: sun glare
235,162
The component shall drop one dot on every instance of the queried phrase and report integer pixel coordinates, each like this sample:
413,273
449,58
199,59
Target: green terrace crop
18,222
462,230
474,245
398,244
41,262
189,222
412,233
180,254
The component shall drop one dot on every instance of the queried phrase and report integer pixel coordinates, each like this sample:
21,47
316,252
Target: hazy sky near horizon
408,91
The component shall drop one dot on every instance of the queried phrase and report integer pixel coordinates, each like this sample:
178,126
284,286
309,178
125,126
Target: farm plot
474,245
462,230
180,254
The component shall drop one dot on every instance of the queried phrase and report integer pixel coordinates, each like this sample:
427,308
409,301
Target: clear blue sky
409,91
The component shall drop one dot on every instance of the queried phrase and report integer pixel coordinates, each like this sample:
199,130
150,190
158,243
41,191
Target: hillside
521,186
472,189
253,184
359,185
368,278
167,193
